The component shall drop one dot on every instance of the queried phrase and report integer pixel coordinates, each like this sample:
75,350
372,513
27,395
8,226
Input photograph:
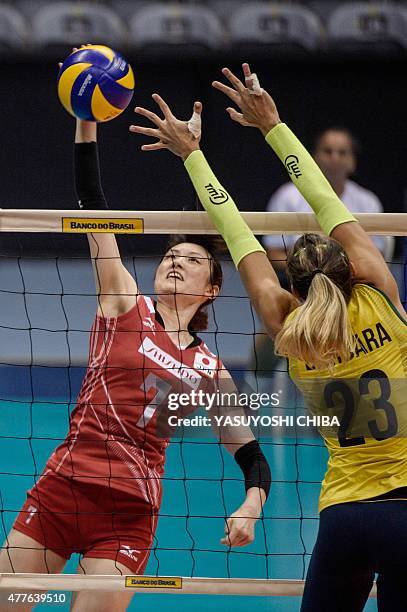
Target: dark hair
214,246
355,143
319,330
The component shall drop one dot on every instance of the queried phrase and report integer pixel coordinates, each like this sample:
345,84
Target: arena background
43,362
365,94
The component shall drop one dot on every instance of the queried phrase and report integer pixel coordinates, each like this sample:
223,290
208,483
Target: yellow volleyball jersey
368,395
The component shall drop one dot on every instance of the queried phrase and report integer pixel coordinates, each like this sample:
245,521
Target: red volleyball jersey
133,364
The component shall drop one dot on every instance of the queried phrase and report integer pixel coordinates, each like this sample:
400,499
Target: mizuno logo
129,552
148,322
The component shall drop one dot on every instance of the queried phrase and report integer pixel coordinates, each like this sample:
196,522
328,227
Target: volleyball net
47,305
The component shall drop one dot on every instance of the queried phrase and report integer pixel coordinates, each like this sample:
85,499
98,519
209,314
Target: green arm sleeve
221,208
308,178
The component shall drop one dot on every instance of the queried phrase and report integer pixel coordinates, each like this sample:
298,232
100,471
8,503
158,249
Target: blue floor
188,536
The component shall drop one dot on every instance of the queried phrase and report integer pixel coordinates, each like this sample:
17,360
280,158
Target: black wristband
88,185
254,466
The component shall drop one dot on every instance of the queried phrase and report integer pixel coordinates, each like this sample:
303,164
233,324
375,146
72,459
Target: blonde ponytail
318,331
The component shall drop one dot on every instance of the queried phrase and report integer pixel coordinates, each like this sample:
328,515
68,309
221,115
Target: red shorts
67,516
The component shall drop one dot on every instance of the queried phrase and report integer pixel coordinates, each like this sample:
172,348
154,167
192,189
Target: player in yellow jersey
344,330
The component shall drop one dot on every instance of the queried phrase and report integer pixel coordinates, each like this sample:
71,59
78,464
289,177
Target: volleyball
95,83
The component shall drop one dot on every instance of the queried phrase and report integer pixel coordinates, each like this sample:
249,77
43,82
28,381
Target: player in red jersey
100,491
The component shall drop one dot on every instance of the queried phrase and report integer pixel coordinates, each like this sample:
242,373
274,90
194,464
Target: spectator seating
276,26
13,30
161,27
368,26
59,25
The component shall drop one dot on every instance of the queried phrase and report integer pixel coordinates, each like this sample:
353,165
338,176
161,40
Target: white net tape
169,222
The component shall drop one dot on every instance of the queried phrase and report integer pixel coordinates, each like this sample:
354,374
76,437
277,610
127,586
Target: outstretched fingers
155,146
238,117
232,78
198,107
195,123
148,114
165,109
246,70
73,51
139,129
228,91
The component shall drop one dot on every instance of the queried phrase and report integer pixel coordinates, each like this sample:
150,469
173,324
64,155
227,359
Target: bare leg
104,601
22,554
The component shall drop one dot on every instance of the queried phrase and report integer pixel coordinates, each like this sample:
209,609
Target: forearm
221,208
88,184
255,498
110,276
308,178
256,471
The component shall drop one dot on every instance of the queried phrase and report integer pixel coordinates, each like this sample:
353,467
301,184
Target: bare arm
368,263
231,437
260,111
239,528
115,287
271,301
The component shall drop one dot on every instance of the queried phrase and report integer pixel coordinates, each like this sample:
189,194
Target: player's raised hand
179,137
257,107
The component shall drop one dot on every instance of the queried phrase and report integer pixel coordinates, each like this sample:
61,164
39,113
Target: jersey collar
196,341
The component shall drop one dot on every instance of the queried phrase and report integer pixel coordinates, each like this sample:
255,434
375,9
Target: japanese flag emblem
205,363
